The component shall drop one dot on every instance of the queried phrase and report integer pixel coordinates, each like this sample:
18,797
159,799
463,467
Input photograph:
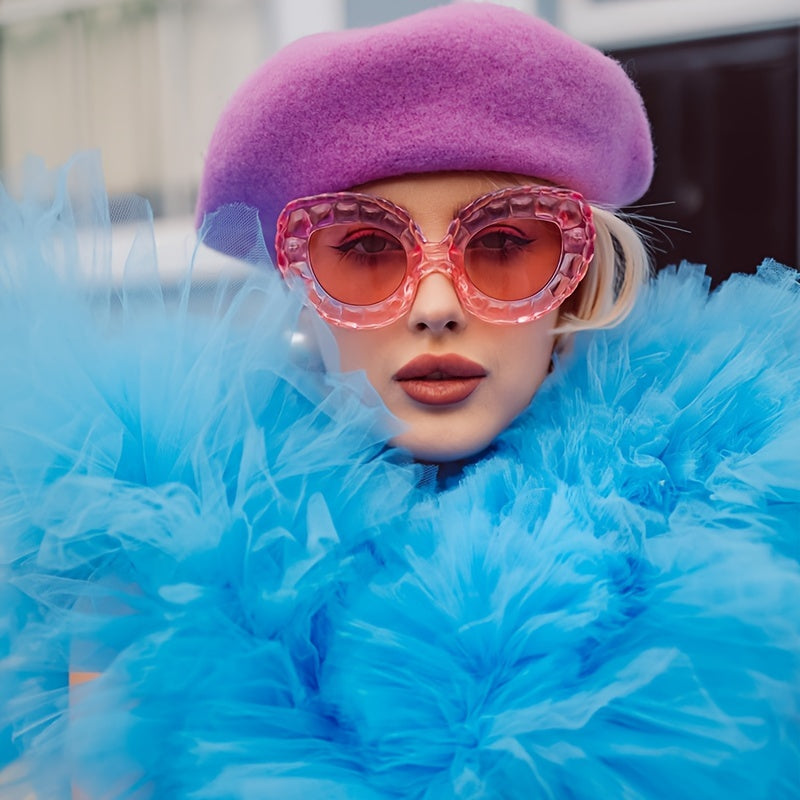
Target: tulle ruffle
280,605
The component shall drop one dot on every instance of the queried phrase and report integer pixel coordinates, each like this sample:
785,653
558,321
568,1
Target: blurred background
143,81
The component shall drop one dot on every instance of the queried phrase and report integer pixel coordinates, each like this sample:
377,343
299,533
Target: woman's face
455,380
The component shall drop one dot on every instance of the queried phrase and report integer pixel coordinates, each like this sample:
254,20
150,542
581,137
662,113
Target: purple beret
466,86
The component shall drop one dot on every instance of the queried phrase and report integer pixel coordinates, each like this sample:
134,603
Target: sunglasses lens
357,264
514,258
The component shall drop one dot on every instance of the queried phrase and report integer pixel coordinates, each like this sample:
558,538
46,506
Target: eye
369,243
500,240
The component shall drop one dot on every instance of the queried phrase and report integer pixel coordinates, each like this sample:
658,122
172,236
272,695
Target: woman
405,130
592,594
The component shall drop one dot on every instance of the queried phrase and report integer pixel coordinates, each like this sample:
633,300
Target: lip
440,380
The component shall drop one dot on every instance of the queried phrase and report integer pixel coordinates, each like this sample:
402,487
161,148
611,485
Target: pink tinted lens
357,264
513,258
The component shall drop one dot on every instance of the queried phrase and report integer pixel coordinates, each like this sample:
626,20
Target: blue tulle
280,605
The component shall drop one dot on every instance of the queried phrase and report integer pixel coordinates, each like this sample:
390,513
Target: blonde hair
620,267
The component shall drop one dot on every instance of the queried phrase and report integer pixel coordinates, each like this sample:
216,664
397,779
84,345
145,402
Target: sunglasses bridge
429,257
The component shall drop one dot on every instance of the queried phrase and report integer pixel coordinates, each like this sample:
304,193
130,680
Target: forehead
439,195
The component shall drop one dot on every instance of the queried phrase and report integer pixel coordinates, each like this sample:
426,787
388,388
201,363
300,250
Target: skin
515,357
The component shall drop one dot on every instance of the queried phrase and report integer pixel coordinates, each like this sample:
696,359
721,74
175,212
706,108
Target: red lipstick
439,380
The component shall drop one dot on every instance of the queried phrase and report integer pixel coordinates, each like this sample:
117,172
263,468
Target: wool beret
465,86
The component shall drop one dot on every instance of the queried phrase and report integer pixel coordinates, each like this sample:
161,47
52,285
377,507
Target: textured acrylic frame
567,209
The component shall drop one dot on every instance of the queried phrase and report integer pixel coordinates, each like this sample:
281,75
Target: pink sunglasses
512,255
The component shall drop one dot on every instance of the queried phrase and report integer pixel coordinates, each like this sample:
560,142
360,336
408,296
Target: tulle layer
280,606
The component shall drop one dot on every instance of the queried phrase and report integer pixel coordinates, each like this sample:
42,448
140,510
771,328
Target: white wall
143,83
624,23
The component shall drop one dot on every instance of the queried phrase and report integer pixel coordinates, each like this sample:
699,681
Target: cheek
524,354
523,351
360,349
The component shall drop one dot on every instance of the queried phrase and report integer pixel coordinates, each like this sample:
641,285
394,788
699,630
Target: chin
441,448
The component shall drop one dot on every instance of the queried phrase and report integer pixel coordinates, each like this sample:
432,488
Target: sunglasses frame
302,217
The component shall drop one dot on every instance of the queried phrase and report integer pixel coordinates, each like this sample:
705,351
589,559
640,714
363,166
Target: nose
436,307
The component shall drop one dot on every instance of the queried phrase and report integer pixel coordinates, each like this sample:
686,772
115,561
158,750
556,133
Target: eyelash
514,239
354,240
